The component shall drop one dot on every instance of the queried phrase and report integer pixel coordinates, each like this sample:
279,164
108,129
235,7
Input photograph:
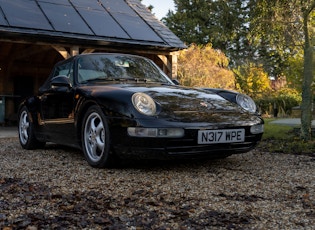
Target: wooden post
74,50
174,56
167,64
170,65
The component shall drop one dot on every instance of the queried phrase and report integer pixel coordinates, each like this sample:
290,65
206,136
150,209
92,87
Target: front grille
184,147
189,145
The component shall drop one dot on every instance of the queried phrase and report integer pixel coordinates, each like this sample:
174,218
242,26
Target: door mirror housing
60,83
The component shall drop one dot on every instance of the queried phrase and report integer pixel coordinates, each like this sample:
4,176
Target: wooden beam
88,51
64,53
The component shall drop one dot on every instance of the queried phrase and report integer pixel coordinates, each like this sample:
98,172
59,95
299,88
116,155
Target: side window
65,69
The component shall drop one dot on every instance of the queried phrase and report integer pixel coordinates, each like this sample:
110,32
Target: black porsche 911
115,106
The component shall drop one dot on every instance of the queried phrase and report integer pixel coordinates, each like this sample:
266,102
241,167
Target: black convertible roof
97,22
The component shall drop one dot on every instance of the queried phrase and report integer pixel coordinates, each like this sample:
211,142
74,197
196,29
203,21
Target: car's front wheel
26,131
96,138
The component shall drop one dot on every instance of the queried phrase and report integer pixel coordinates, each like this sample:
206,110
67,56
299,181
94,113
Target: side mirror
60,83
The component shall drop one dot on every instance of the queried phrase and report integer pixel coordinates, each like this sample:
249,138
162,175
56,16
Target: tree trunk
307,97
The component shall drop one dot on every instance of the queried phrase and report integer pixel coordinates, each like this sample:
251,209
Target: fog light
256,129
155,132
142,132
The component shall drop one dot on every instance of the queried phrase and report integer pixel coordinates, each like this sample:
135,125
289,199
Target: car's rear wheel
26,131
96,138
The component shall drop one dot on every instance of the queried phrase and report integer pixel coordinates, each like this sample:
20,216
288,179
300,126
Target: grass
274,131
284,139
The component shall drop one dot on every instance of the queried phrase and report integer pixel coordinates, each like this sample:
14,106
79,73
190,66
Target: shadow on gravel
35,205
55,188
139,163
93,209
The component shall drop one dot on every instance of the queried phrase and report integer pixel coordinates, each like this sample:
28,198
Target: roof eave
47,37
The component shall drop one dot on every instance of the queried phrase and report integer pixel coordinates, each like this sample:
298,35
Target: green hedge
281,101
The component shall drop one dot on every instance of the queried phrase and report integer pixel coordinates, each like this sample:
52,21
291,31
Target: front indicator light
156,132
257,129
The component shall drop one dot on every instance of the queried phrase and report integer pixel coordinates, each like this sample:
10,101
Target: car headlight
246,103
144,104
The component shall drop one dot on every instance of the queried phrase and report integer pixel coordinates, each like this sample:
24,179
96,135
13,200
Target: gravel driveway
54,188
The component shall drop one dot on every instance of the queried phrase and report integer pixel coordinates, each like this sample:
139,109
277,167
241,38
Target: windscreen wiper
122,79
94,79
137,80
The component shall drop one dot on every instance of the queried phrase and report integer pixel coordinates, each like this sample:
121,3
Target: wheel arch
32,106
80,116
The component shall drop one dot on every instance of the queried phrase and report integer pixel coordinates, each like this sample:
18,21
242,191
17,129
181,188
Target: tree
292,25
294,71
203,66
207,21
227,24
252,80
306,105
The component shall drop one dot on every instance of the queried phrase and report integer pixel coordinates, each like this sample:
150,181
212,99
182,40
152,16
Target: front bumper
183,148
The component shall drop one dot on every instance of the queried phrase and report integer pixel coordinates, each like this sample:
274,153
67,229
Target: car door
57,104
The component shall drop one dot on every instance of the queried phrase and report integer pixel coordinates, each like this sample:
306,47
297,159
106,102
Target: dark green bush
281,101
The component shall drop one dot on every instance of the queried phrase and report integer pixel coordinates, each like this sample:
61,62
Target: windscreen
111,67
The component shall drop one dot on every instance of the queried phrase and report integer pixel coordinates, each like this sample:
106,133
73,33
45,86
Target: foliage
275,31
252,80
283,100
286,26
206,21
295,71
204,66
230,25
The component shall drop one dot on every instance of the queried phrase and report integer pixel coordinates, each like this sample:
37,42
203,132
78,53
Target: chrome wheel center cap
93,137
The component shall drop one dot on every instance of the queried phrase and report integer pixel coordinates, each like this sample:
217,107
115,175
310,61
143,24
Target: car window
111,67
65,69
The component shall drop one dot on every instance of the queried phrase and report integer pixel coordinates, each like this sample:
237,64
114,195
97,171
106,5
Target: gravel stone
55,188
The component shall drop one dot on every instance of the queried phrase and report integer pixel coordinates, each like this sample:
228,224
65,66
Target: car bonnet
195,105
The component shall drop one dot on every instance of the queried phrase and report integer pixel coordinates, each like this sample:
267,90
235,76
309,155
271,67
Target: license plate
221,136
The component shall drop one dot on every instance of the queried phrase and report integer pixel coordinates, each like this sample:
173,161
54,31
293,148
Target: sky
161,7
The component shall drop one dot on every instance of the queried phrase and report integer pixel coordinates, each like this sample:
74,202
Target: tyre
96,138
26,131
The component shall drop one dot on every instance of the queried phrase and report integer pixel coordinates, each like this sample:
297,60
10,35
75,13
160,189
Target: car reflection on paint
115,106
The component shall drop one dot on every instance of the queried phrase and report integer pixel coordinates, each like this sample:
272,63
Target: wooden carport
35,34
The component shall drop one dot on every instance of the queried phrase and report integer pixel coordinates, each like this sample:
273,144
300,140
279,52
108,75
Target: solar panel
136,27
3,22
60,2
102,23
21,13
64,18
94,19
118,6
91,4
127,18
